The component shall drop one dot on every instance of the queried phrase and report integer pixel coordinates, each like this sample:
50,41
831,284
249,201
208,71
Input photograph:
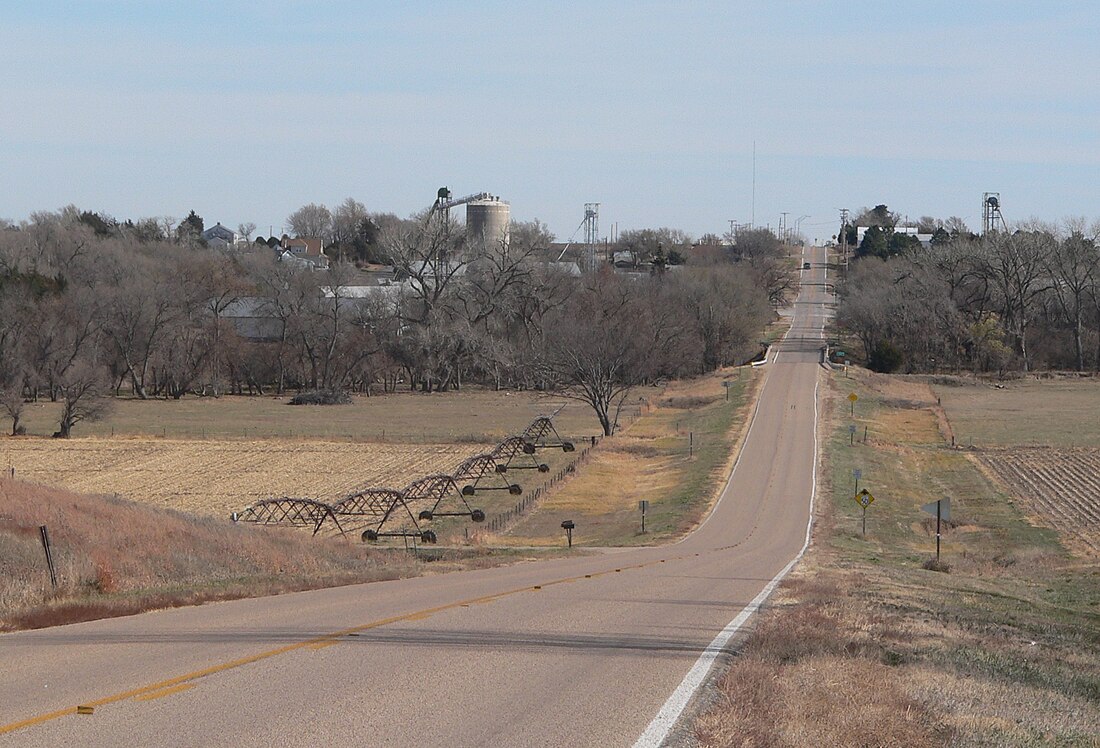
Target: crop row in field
218,477
1061,486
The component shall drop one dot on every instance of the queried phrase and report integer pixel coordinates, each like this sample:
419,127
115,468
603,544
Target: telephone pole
752,217
843,243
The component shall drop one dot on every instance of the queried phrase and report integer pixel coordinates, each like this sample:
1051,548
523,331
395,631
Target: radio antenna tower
992,220
591,234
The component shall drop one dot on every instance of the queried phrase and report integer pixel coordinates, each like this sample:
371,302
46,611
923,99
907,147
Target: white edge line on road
659,728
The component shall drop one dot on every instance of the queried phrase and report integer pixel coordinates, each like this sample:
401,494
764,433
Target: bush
885,358
321,397
934,564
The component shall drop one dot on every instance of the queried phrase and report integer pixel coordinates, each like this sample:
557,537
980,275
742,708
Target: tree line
92,311
1010,300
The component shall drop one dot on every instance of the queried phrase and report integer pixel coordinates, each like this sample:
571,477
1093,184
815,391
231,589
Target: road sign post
643,505
852,399
864,499
942,510
851,434
857,473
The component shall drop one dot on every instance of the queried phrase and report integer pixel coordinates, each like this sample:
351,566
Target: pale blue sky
246,110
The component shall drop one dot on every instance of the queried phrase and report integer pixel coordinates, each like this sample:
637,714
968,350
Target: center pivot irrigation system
391,513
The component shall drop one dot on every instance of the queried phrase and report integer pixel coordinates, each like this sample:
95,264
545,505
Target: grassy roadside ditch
862,645
674,456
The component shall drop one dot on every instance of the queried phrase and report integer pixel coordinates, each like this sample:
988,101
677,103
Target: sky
245,111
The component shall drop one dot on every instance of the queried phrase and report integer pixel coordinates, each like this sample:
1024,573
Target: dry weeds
116,557
817,674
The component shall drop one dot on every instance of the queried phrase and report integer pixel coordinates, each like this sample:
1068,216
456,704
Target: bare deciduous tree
430,257
598,347
310,222
1014,264
83,391
1074,268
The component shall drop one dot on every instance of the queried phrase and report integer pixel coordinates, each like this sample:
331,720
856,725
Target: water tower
991,213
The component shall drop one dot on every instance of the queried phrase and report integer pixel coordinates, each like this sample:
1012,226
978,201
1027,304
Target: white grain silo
487,222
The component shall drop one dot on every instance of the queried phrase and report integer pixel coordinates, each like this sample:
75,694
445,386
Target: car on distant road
805,266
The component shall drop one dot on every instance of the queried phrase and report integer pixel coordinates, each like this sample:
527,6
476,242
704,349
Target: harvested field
1045,412
1060,487
472,415
214,478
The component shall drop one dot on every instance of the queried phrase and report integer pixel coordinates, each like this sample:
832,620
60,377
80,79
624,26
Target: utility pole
783,226
752,218
844,235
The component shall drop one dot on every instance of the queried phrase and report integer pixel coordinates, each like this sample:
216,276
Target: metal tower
591,234
992,220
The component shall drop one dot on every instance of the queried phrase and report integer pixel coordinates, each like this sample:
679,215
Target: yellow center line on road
165,692
322,645
182,682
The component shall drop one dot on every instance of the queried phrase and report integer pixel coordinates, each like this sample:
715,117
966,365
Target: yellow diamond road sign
853,397
864,498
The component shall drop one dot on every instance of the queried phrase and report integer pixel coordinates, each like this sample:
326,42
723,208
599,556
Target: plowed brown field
213,477
1061,487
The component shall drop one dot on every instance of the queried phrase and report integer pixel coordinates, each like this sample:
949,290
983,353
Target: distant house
358,296
296,261
311,251
219,237
624,259
254,319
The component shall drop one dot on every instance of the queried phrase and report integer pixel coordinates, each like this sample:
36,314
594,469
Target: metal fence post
45,535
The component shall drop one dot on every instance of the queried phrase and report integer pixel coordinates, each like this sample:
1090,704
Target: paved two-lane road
578,651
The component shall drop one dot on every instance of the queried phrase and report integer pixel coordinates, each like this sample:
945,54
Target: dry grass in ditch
816,673
116,557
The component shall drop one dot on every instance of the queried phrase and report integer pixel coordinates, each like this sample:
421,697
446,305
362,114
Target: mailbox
568,526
